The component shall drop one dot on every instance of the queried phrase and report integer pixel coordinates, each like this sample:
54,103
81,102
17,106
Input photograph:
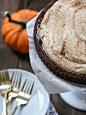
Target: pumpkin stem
22,24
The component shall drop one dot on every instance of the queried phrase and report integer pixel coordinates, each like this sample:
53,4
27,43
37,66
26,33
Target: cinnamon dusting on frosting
63,33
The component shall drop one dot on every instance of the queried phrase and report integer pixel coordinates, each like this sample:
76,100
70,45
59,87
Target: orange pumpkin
14,29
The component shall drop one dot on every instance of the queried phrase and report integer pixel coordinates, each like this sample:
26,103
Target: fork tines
27,87
4,77
16,80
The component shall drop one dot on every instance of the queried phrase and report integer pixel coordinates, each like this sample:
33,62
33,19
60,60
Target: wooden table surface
12,59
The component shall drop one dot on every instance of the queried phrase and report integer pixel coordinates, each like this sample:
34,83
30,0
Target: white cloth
52,83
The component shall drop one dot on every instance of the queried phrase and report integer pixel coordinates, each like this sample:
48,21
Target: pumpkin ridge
24,44
7,28
13,41
10,34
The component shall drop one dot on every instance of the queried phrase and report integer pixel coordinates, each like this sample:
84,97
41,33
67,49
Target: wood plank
24,62
8,58
38,4
12,59
13,5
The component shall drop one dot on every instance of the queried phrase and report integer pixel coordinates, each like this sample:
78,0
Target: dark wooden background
12,59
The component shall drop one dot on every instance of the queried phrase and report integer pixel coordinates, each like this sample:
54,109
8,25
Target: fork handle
4,102
18,104
7,101
3,107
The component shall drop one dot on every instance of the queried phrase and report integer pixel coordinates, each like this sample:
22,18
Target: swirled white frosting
63,33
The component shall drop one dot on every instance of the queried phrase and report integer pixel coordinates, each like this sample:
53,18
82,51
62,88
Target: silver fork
15,83
24,94
5,87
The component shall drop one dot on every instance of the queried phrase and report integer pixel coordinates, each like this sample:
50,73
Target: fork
15,83
5,87
24,94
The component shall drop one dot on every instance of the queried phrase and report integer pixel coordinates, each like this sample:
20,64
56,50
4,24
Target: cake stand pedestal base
75,99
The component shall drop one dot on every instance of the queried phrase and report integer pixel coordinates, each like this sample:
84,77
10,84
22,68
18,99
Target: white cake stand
74,94
76,99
